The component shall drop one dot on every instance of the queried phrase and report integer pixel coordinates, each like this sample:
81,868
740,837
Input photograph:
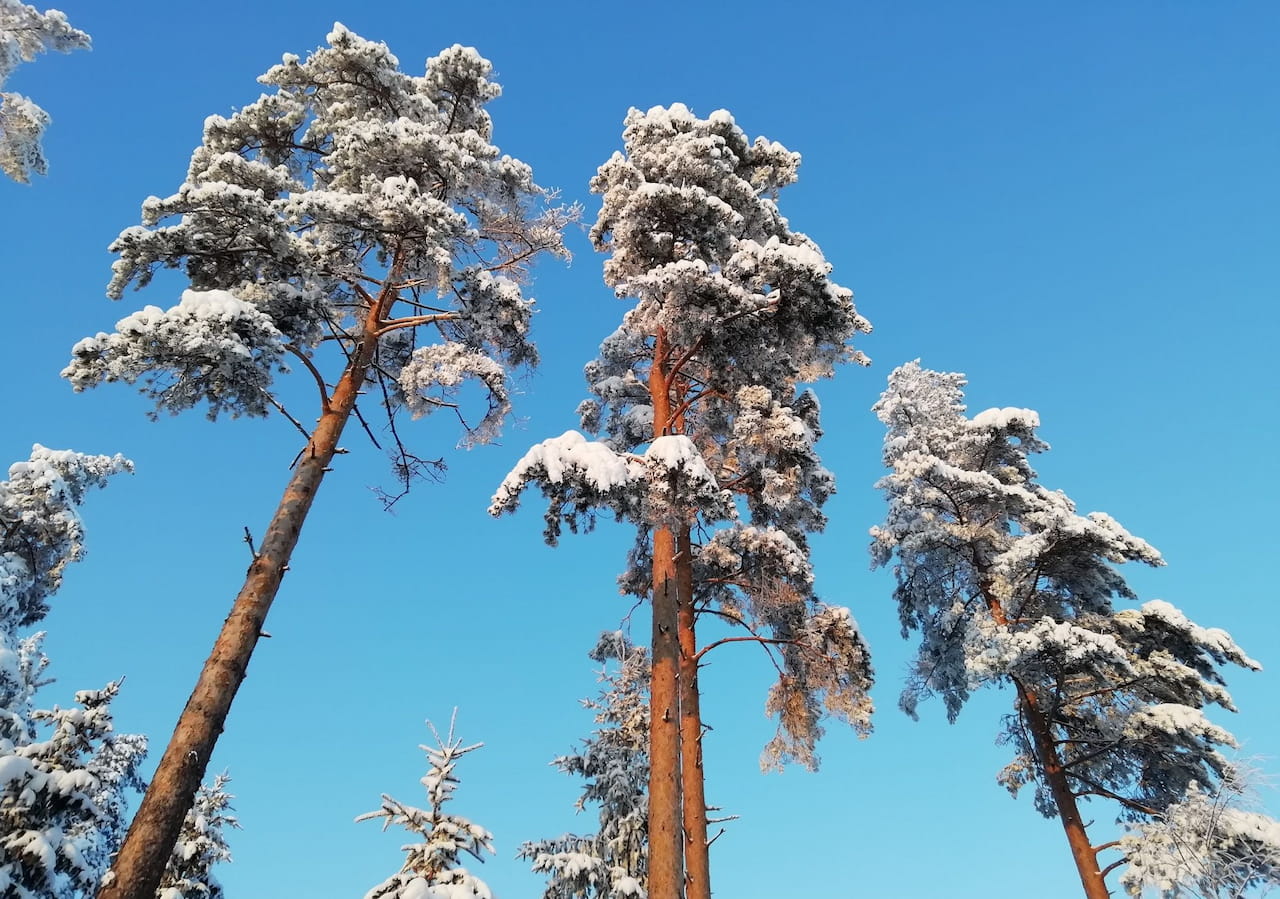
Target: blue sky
1073,203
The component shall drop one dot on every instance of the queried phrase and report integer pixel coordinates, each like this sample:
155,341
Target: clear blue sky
1076,204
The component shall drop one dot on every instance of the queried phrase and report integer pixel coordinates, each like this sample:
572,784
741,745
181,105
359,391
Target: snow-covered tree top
40,527
432,868
691,223
61,798
349,200
733,312
1210,845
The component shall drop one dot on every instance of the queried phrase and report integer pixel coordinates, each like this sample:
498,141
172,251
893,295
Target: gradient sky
1076,204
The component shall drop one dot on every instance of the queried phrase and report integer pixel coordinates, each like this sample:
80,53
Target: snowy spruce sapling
1007,584
433,868
708,444
356,223
611,863
25,32
64,773
202,843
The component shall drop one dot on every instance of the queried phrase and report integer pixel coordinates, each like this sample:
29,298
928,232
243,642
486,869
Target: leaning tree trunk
1085,856
666,856
1055,775
696,847
141,862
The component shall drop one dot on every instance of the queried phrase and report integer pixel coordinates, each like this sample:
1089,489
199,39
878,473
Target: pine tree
1006,583
25,33
202,843
433,868
64,773
357,222
733,310
612,863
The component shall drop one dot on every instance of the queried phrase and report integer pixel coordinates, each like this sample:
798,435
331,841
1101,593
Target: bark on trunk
1038,724
140,864
666,850
1085,856
696,848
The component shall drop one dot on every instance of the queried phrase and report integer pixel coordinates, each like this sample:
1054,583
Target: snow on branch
1210,845
443,368
669,482
25,32
41,531
211,347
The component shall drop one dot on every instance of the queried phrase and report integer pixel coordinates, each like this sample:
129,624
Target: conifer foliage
612,863
707,436
358,224
64,772
1211,845
25,33
433,868
1007,583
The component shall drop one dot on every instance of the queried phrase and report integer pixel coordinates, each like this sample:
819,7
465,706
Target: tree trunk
1084,855
696,848
666,850
140,864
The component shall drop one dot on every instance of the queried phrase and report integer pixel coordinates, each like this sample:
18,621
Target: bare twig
285,412
315,373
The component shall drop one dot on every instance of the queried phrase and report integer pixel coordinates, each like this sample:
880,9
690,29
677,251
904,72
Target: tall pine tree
355,222
705,431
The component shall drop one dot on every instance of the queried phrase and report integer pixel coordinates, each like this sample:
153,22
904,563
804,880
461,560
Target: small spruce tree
202,843
433,868
64,773
611,863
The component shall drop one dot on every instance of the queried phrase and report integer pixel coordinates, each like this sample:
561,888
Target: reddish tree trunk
140,864
696,848
1082,852
666,850
1085,856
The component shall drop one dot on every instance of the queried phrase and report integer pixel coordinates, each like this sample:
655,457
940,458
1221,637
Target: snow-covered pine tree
1006,583
733,310
25,33
612,863
61,797
202,843
356,221
433,868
